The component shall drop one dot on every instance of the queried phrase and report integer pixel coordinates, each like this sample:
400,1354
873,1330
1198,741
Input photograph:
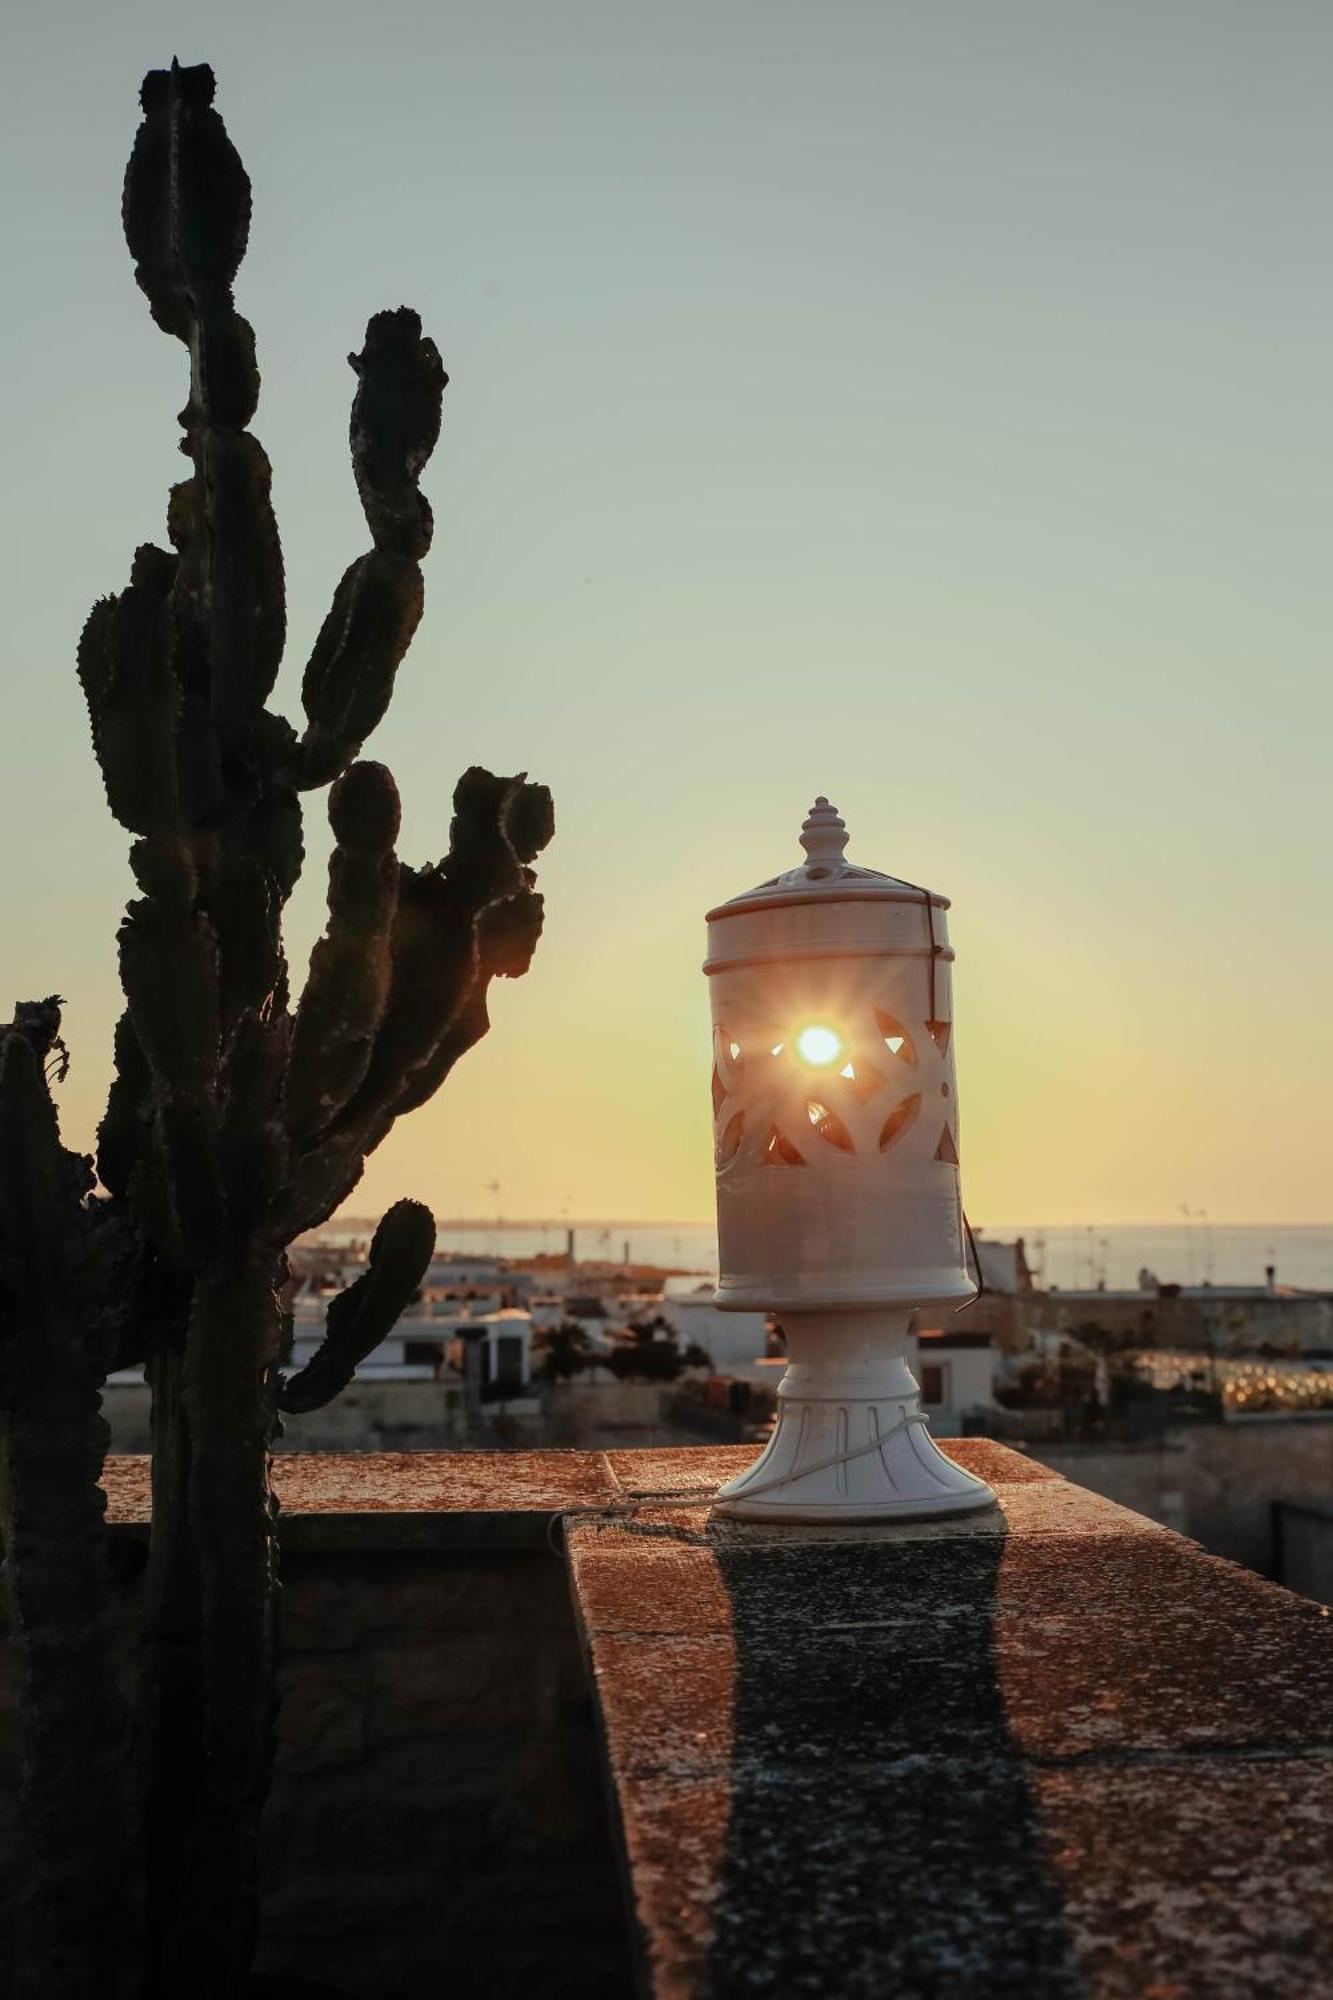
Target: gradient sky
926,403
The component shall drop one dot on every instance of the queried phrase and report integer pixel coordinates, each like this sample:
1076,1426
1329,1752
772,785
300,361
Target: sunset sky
926,404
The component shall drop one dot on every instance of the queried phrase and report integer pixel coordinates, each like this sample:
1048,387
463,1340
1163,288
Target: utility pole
1188,1214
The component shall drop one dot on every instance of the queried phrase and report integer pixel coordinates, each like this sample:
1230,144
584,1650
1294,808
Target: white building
957,1375
735,1342
426,1340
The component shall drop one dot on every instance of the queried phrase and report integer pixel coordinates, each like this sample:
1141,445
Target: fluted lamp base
851,1441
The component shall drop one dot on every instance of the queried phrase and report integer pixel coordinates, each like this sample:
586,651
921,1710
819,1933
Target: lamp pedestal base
851,1442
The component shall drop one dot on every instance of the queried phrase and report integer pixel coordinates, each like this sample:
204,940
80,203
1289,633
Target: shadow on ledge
882,1838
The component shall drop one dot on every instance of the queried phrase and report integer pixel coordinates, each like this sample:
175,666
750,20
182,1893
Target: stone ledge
1055,1750
1052,1751
409,1500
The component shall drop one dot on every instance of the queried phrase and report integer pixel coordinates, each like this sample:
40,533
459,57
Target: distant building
1003,1311
735,1342
428,1341
502,1343
956,1373
1224,1319
1004,1266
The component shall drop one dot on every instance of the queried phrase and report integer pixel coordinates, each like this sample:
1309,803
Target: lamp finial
824,834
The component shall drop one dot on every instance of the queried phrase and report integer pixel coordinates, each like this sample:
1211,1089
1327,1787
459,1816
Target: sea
1070,1256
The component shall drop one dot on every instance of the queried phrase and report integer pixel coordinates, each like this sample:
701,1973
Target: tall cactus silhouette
237,1117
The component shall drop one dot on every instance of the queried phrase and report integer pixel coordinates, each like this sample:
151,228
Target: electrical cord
611,1512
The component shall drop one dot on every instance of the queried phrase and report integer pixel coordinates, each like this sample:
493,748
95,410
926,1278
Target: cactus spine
236,1118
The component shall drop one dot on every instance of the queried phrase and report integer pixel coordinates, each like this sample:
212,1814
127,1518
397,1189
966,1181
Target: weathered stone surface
666,1590
1188,1879
1145,1643
456,1497
1049,1751
876,1762
321,1720
437,1821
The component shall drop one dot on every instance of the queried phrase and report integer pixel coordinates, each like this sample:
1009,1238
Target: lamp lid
826,875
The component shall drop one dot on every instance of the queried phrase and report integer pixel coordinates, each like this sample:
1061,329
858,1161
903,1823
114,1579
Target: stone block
469,1682
322,1716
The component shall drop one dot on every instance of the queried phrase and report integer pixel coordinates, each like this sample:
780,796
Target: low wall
437,1821
1303,1541
1217,1482
1049,1750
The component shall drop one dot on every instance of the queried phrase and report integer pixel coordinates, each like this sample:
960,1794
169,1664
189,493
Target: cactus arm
435,1007
508,935
345,994
186,208
74,1793
375,613
437,960
359,1318
169,972
273,829
133,700
378,603
121,1134
186,212
395,428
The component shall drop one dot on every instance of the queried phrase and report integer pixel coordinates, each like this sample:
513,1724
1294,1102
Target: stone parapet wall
1216,1482
1050,1751
437,1823
1047,1752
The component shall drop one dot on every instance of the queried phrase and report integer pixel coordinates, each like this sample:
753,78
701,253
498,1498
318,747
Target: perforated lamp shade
835,1106
835,1124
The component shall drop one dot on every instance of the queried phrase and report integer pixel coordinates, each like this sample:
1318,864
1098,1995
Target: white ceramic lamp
838,1206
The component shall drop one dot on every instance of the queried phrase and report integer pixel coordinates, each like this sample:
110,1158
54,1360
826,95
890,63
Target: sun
819,1046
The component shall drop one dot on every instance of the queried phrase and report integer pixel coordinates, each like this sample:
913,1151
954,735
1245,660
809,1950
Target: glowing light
818,1046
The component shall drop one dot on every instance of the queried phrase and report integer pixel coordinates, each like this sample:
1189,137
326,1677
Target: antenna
1188,1214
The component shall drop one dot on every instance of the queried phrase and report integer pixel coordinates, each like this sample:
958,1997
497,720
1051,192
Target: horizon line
708,1222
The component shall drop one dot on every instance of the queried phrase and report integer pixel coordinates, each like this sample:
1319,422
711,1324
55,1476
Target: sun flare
819,1046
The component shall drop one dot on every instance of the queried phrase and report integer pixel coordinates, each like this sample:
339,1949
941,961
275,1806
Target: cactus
237,1117
74,1793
